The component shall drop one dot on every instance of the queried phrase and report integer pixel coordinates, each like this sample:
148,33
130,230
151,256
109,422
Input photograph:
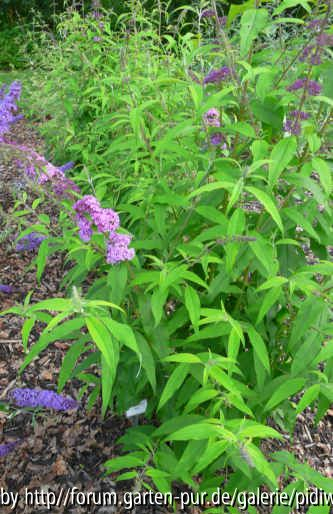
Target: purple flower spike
314,88
216,76
69,165
8,106
8,447
301,115
26,397
85,230
298,84
208,13
292,127
106,220
29,242
211,118
324,39
216,139
6,289
316,24
117,249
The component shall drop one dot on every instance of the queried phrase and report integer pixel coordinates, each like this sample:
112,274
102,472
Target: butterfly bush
37,168
25,397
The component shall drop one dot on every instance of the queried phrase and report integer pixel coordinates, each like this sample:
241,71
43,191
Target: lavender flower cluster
312,53
217,76
211,118
29,242
62,186
292,123
8,106
25,397
8,447
311,86
210,13
6,289
107,222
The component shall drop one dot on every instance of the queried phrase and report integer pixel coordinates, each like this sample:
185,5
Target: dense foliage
213,300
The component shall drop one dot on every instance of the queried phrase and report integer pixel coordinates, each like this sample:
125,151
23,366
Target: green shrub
224,314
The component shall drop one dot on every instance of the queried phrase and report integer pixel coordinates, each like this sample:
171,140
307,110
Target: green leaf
200,396
268,203
157,301
295,215
148,362
241,127
256,430
26,329
108,378
104,340
269,300
305,355
192,303
123,333
325,353
284,391
268,111
280,157
236,9
308,314
324,172
213,451
235,194
261,463
308,397
68,363
117,279
237,401
264,252
42,258
199,431
53,304
67,330
287,4
259,347
212,186
272,282
126,461
174,382
253,22
183,357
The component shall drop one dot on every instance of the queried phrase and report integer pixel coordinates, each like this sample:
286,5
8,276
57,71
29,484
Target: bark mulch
62,451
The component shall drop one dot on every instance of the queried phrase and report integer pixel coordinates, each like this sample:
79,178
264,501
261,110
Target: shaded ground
68,450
